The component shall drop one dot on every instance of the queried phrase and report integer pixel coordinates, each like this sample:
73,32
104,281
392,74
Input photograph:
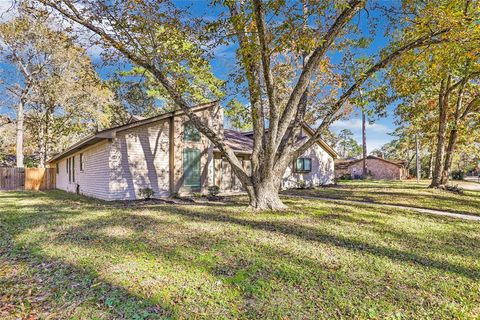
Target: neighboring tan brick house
377,168
168,155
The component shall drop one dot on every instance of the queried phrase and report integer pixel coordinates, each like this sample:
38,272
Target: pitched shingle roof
344,164
242,142
238,141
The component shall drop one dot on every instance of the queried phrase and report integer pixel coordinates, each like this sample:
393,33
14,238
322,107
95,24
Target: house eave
112,132
77,147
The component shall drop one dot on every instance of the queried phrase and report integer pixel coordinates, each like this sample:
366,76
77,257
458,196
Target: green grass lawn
406,193
65,256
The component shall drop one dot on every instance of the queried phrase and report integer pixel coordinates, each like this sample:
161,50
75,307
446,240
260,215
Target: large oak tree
151,34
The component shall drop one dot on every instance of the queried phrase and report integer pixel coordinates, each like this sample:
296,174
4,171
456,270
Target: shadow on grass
465,204
121,302
60,288
312,234
35,285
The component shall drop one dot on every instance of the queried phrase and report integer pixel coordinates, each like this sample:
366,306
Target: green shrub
146,193
458,175
213,191
345,176
301,184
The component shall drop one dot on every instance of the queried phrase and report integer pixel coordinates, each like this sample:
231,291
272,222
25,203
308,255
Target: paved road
394,206
472,178
471,183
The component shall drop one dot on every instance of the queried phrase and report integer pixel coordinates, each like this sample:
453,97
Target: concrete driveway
470,183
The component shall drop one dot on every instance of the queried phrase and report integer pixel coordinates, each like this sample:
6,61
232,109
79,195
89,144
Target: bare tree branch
314,60
429,39
175,94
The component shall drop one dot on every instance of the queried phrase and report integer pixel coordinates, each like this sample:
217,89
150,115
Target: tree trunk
41,145
265,196
417,156
20,130
430,164
452,141
449,156
364,142
441,133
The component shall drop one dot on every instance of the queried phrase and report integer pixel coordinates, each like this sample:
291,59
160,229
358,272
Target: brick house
378,168
167,154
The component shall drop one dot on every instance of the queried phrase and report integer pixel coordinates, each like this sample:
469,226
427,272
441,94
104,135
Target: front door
226,184
191,168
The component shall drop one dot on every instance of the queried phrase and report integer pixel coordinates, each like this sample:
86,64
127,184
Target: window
66,165
81,162
73,168
190,133
191,167
303,165
69,165
58,167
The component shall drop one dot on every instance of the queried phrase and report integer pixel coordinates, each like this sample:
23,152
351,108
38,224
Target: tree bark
41,146
452,141
364,143
20,131
417,156
441,133
430,165
266,196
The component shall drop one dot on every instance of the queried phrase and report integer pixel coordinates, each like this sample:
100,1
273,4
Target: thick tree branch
274,112
426,40
314,60
252,72
471,107
176,96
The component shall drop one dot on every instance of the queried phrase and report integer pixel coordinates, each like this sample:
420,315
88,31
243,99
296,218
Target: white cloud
7,10
356,124
377,133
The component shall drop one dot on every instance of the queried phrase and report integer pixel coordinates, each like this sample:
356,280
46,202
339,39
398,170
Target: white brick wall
93,180
323,171
139,158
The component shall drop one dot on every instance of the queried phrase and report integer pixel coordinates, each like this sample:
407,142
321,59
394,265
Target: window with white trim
303,165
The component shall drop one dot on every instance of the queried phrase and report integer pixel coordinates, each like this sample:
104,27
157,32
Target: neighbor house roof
344,164
111,132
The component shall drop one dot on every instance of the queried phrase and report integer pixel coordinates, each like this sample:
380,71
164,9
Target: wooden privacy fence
27,178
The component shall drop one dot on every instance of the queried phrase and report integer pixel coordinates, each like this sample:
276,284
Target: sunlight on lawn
405,193
79,258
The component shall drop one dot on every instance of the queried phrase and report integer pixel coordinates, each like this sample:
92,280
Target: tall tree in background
141,30
348,147
132,98
19,49
439,75
60,94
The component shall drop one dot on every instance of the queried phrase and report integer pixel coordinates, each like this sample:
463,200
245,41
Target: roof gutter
112,132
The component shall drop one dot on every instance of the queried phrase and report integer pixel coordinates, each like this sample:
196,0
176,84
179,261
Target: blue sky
223,63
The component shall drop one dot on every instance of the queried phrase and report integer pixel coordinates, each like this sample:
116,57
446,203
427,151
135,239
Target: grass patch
405,193
66,256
